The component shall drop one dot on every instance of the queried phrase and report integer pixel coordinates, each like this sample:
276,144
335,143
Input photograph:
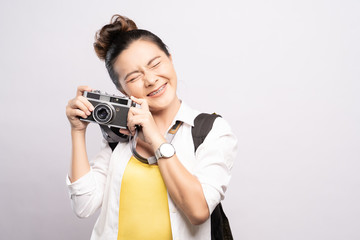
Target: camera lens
103,113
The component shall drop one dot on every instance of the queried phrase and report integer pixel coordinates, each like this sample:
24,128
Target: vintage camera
109,110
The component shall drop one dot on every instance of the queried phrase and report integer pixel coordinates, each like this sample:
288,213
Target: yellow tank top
143,211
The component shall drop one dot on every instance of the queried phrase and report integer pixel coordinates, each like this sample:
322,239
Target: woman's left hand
149,131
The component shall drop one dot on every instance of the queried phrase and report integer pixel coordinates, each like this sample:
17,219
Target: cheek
167,72
124,90
134,89
128,88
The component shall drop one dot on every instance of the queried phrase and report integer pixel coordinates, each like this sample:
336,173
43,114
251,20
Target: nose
149,78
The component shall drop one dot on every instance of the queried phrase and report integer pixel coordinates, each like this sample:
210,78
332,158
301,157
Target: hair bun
107,34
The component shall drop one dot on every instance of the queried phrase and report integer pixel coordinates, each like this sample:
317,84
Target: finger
81,89
137,100
78,103
124,131
131,127
142,102
131,130
134,123
74,113
87,103
130,115
139,111
137,120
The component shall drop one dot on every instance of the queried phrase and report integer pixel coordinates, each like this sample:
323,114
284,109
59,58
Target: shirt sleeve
215,158
87,192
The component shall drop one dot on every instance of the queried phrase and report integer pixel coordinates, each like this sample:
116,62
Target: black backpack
220,227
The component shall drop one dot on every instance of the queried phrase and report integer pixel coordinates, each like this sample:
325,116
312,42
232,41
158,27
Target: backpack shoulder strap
220,227
202,125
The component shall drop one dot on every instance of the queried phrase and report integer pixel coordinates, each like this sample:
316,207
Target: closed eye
133,79
155,60
155,65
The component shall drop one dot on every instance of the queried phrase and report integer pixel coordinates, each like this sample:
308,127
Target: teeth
154,93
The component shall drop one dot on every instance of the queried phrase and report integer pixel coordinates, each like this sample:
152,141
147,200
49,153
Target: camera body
109,110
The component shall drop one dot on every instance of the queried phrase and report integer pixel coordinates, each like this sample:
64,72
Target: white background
285,74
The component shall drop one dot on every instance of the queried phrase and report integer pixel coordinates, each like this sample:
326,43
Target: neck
164,118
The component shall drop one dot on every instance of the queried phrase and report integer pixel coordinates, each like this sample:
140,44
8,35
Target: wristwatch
166,150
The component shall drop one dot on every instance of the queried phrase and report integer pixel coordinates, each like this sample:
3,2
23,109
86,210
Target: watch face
167,150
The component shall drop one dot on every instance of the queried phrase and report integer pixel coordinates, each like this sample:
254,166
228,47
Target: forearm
184,189
79,160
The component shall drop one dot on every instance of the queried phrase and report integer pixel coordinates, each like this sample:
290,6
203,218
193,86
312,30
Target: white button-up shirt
211,164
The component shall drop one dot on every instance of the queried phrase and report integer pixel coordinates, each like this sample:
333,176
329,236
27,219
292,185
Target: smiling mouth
159,90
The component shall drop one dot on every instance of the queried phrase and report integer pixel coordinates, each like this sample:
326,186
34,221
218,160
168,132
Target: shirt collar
186,114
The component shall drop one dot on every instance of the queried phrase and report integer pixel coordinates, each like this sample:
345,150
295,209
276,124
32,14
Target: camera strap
111,136
152,160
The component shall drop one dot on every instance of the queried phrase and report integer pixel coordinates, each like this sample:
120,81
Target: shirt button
173,210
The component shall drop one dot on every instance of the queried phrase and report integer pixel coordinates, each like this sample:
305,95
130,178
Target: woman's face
147,72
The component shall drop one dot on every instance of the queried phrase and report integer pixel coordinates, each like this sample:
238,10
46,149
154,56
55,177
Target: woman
172,199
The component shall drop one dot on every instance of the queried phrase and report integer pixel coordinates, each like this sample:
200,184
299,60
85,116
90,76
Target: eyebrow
136,71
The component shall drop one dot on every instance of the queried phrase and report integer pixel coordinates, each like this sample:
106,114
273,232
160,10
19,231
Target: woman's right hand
79,107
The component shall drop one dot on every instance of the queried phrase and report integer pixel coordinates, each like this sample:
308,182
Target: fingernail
88,113
91,108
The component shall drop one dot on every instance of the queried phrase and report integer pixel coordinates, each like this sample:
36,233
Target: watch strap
152,160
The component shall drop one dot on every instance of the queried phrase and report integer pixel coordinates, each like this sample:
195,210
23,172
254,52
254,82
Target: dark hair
117,36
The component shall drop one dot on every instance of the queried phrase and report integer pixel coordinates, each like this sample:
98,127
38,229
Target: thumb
142,102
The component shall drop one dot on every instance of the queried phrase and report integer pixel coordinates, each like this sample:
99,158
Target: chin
155,107
161,104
